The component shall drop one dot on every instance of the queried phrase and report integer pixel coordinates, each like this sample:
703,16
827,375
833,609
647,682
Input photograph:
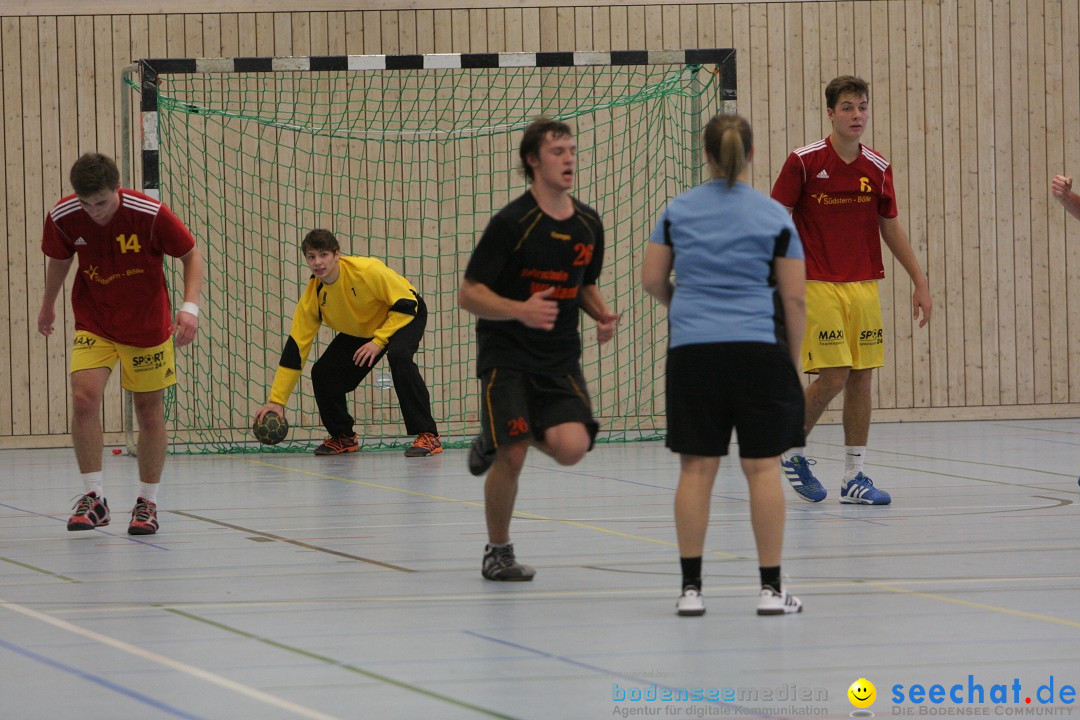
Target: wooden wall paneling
1056,275
211,35
957,345
388,33
894,380
26,279
796,44
933,114
778,89
582,29
601,28
336,43
478,31
299,34
354,33
912,385
264,34
1022,256
1070,165
460,31
967,118
1037,109
982,41
808,75
53,188
496,25
9,405
769,161
847,39
881,116
618,28
283,35
704,20
654,29
194,42
14,410
669,24
1004,144
829,60
564,29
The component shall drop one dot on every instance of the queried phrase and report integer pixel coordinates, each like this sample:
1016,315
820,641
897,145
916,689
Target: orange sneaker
425,444
338,445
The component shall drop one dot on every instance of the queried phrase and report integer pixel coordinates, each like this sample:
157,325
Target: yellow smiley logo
862,693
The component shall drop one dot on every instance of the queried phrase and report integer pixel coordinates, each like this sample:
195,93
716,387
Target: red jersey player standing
841,196
122,313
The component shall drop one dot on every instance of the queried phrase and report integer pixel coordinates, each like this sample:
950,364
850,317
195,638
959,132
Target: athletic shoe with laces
500,564
797,470
425,444
480,458
860,490
338,445
771,602
90,512
690,603
143,518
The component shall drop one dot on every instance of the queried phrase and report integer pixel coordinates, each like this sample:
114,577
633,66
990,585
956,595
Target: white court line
170,663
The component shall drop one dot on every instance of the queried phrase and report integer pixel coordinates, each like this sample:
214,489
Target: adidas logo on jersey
80,241
823,175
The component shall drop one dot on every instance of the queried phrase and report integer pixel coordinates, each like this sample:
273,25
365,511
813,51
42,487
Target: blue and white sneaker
797,470
860,490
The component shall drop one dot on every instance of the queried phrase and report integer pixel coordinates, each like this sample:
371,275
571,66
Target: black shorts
518,405
751,387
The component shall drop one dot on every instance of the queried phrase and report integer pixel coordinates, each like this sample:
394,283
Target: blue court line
103,532
98,680
742,709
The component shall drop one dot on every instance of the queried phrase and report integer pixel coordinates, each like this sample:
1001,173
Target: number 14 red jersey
119,290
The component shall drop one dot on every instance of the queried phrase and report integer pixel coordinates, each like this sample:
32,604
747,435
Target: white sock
92,482
854,457
148,491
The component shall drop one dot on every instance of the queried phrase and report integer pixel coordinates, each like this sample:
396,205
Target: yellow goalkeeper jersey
368,300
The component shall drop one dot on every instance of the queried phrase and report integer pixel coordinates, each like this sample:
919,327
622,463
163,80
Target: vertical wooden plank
1070,29
619,28
354,33
18,92
336,42
478,31
52,174
704,21
758,91
299,42
211,35
264,34
283,35
1005,151
9,48
193,36
881,118
794,87
830,62
654,28
496,24
1022,229
987,227
669,18
564,29
776,141
461,31
913,386
935,189
811,74
582,30
847,39
444,31
230,34
601,28
26,276
391,43
635,28
966,126
319,33
513,29
1057,258
1042,345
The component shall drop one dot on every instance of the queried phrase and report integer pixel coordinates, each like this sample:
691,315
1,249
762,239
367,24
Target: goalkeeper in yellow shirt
375,312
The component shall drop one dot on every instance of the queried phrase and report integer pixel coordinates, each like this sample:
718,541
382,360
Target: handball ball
271,430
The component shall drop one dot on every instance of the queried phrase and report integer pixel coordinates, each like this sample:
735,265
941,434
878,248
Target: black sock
691,571
770,576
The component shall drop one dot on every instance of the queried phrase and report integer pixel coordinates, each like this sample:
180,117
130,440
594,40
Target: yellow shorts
141,369
843,326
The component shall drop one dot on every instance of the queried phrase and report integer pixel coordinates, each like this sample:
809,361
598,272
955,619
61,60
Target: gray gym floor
290,586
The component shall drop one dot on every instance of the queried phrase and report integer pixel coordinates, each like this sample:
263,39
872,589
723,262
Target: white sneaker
690,603
771,602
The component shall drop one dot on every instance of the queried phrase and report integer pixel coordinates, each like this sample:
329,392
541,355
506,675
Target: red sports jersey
836,207
119,290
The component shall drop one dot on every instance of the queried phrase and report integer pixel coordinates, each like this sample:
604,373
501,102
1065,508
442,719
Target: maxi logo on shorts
149,361
831,337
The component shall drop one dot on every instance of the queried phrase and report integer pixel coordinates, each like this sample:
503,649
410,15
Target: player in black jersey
535,267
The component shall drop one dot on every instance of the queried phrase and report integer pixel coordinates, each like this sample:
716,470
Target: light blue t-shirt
724,241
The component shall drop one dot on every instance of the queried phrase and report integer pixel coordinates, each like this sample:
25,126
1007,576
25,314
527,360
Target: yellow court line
980,606
473,503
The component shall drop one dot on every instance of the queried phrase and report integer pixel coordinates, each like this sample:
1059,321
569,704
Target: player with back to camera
736,319
375,312
528,279
841,196
122,314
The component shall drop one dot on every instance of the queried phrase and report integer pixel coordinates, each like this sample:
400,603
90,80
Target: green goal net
406,165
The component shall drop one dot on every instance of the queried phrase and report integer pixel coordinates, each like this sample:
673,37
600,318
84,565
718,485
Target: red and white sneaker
90,512
143,518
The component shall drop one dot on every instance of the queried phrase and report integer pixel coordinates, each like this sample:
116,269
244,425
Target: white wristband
190,307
